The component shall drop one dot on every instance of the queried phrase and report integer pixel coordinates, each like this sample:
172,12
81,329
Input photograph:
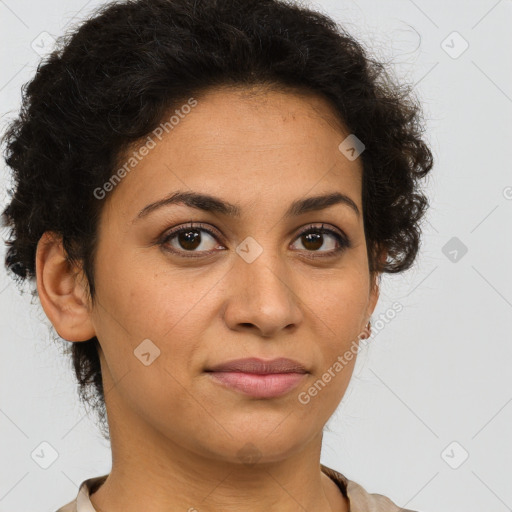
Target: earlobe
60,290
374,294
375,282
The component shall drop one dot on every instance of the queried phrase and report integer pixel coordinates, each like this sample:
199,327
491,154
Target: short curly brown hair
111,81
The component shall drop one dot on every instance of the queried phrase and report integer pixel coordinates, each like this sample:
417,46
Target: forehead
267,112
242,143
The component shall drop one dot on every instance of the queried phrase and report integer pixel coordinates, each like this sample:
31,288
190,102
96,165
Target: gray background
437,374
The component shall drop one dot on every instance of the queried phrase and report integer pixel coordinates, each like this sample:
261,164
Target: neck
155,474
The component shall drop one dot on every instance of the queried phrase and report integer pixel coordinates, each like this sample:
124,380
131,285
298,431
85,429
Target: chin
259,445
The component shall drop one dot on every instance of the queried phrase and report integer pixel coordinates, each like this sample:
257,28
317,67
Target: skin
176,434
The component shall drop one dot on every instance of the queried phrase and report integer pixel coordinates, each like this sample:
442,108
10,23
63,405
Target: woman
206,195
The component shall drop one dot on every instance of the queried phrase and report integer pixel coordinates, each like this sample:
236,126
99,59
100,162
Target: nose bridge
263,292
263,268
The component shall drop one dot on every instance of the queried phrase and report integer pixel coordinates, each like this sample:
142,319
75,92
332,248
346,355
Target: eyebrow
213,204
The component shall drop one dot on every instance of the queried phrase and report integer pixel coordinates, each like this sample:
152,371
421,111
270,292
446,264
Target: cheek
149,330
137,304
319,399
150,297
341,314
341,302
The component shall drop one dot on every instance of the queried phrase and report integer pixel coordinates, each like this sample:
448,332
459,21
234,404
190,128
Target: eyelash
342,240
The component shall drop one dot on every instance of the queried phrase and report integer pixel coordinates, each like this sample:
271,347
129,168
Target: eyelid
320,226
342,239
164,239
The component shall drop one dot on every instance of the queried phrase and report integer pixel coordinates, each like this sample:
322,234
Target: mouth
259,378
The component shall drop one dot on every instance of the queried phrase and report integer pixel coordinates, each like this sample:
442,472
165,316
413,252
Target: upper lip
259,366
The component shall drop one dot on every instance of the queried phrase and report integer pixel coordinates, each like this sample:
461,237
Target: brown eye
314,238
191,239
312,241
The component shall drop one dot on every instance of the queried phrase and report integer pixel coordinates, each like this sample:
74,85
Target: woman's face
233,286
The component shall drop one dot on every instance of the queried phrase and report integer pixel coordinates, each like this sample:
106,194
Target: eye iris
313,240
189,239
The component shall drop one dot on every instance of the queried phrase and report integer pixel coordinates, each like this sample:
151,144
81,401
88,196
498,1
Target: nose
261,296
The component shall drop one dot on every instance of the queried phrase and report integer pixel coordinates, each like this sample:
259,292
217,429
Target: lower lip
269,385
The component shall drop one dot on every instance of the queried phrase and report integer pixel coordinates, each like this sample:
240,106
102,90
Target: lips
259,378
260,366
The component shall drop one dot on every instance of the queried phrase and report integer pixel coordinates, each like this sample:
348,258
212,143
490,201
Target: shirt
359,499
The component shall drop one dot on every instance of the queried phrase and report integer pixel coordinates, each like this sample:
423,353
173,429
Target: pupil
314,240
189,239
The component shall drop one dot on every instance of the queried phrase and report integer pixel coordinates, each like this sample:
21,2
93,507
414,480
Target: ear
375,285
374,295
62,290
